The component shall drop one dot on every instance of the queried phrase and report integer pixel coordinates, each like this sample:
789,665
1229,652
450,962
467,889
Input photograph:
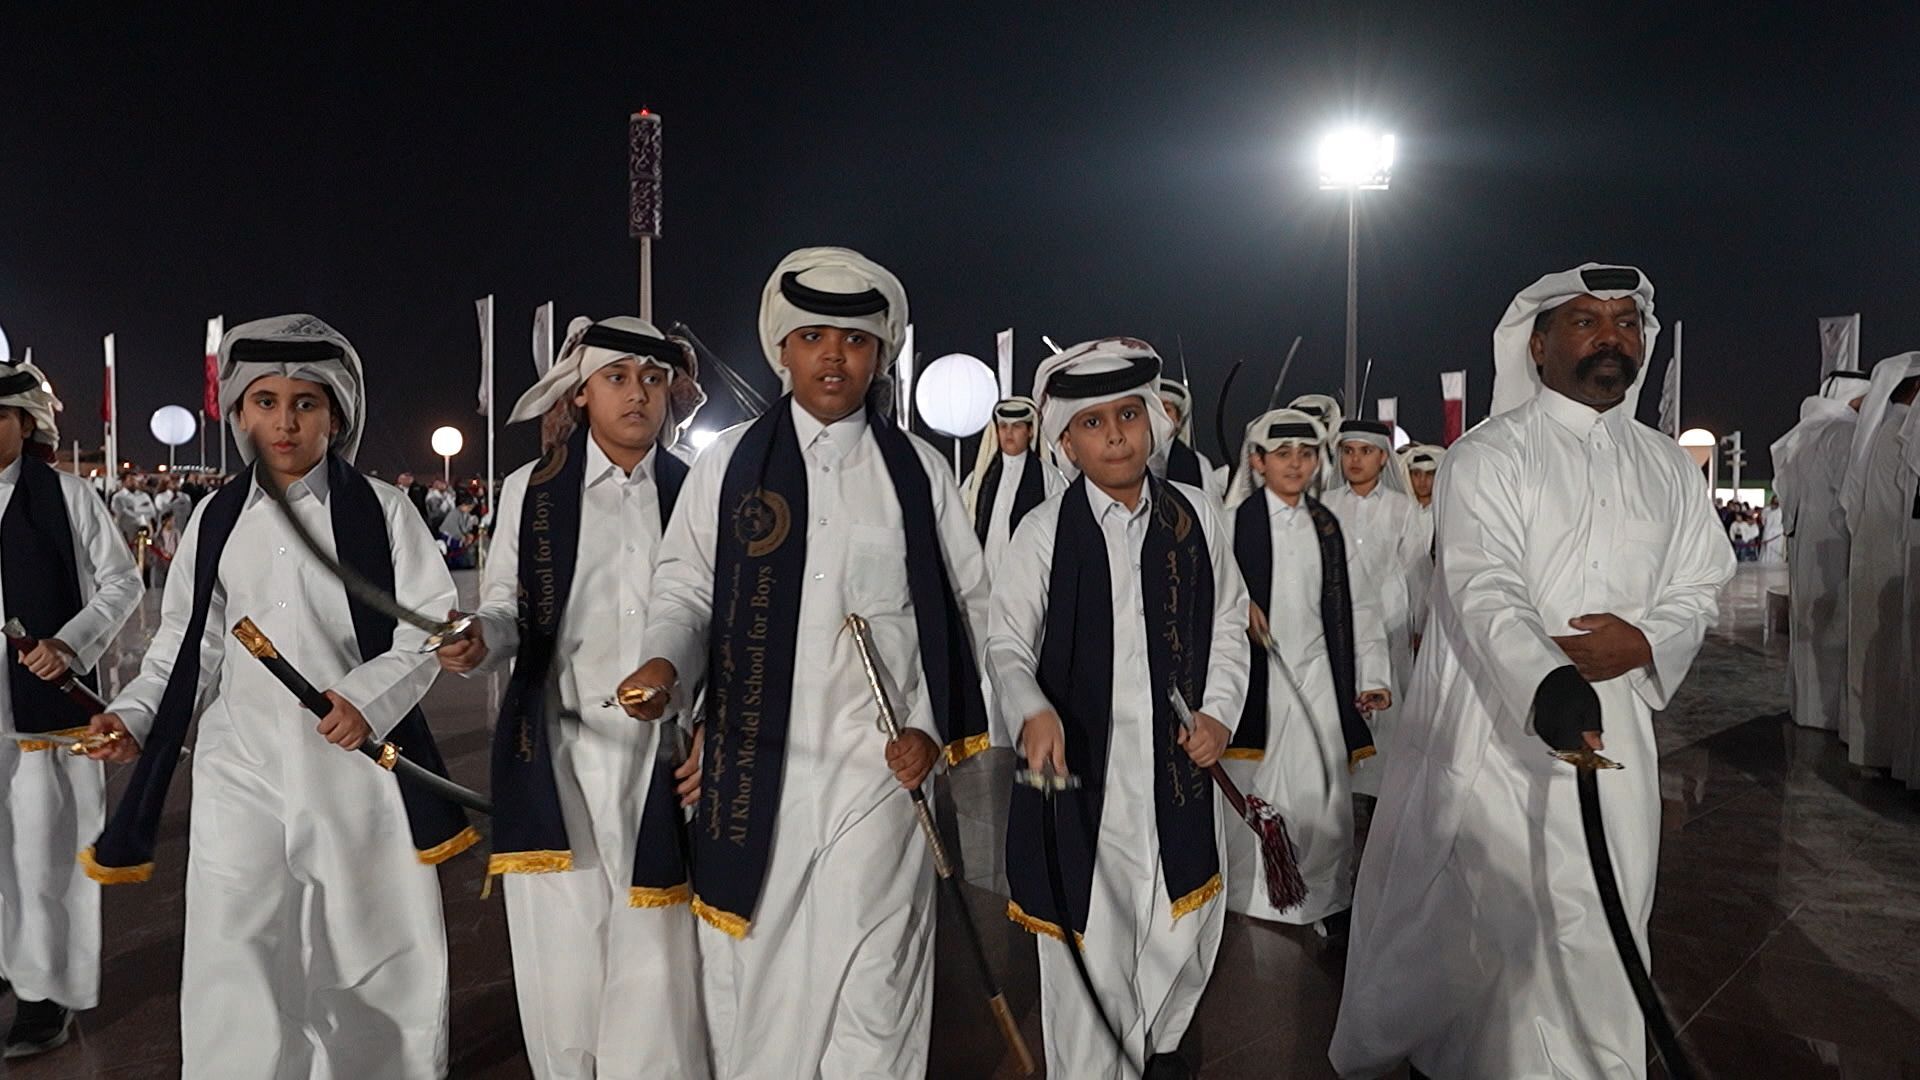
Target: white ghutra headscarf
592,345
1094,373
1516,380
298,347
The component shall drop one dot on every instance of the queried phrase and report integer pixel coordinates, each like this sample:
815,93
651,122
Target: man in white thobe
1809,470
828,972
52,803
1305,767
604,961
1906,750
1383,522
1149,945
1579,564
1877,510
133,508
314,943
1000,491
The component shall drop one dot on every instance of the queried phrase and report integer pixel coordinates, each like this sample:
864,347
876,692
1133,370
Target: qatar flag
1453,399
210,396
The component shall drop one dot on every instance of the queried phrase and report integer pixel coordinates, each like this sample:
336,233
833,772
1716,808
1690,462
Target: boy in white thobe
814,889
1303,729
1181,461
1111,599
604,960
1390,535
1010,478
1579,566
314,940
66,576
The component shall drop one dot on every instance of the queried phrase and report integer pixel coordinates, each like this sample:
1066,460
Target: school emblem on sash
762,521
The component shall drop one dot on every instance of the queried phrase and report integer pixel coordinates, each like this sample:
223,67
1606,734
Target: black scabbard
384,754
69,684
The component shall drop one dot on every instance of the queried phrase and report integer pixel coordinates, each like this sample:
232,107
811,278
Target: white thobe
1479,945
1809,484
834,977
132,511
605,988
1876,606
52,804
1303,771
1000,524
1394,542
173,501
1773,538
1148,967
314,941
1906,743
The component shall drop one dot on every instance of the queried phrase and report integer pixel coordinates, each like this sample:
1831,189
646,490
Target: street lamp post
1354,160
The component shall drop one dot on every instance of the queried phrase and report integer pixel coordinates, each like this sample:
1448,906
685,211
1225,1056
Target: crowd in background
1757,534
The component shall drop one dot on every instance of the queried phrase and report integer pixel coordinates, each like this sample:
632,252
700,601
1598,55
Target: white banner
484,309
1670,392
542,339
1387,411
1839,344
1003,345
1453,386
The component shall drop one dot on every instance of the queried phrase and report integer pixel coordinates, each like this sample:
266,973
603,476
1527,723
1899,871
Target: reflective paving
1786,932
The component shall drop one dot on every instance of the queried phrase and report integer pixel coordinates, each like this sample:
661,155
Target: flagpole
110,414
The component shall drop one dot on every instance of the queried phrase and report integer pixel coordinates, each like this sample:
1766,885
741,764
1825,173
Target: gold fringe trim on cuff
734,926
114,875
529,862
960,750
1354,759
28,746
1196,899
1019,917
1244,753
460,842
643,897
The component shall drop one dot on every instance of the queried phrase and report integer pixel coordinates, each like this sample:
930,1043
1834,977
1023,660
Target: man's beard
1585,370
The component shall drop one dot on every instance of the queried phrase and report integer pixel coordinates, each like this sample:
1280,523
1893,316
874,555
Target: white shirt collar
1580,419
1277,505
1104,504
600,467
10,475
314,485
841,435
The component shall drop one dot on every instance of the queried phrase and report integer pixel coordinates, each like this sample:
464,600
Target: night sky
1077,172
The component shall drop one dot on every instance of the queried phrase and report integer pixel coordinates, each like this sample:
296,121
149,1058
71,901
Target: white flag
542,339
484,309
1839,345
1003,344
1670,391
1387,411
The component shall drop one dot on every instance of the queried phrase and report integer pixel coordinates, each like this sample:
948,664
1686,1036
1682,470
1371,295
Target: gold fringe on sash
1244,753
643,897
1196,899
1354,759
734,926
961,749
114,875
1019,917
460,842
28,746
528,862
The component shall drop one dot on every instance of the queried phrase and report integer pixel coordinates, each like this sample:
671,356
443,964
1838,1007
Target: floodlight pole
1350,402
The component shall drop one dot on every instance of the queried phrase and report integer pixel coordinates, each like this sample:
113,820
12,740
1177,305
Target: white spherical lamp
956,394
172,425
447,441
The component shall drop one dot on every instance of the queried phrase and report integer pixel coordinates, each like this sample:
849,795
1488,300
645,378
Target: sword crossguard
87,744
632,695
446,634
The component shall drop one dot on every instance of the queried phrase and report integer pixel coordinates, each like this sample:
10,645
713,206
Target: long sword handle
69,684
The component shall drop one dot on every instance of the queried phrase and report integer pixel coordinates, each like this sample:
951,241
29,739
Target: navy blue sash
1032,492
41,581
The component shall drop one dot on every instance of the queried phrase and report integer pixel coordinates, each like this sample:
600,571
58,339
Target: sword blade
439,631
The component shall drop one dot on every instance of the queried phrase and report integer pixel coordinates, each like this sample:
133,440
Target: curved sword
440,632
1227,454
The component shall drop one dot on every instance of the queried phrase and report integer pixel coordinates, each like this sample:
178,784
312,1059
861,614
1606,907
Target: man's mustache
1629,367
